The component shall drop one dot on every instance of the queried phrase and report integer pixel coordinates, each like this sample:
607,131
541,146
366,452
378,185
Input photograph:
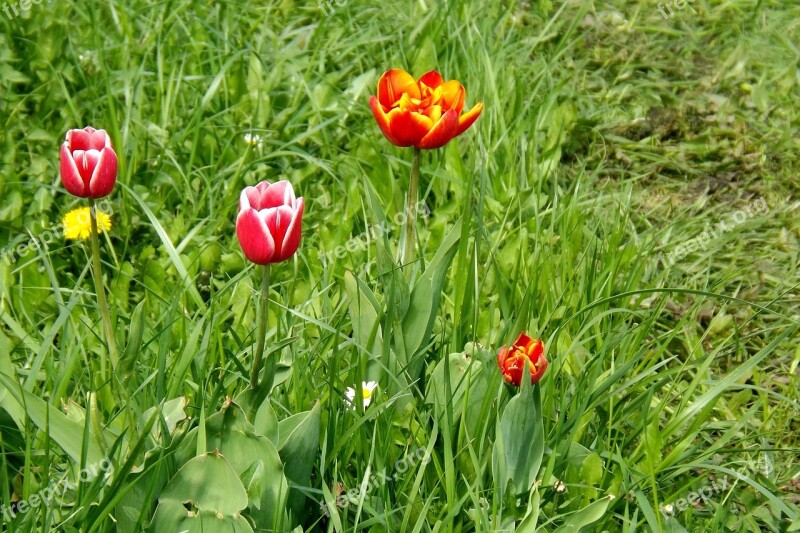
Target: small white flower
367,388
559,486
252,139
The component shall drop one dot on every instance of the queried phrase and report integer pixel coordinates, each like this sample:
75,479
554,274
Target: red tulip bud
269,223
88,163
524,353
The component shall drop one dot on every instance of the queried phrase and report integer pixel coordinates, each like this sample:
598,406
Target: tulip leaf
266,421
585,517
67,433
424,305
365,315
172,413
135,333
173,516
253,457
298,448
205,495
519,445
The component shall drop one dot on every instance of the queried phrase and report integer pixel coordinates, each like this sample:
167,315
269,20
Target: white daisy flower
367,388
252,139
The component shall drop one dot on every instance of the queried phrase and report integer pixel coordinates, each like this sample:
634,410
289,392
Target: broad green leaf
172,412
173,516
135,333
585,517
364,315
424,304
65,432
205,495
519,445
592,469
299,444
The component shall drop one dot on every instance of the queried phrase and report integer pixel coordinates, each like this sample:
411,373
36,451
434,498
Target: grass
610,136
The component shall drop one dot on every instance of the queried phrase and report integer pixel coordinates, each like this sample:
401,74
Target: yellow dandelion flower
78,223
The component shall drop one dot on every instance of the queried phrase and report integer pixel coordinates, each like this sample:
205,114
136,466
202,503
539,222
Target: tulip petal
382,119
79,139
432,79
278,194
70,176
452,96
277,220
104,175
409,127
522,340
249,199
99,139
393,84
86,161
467,119
254,237
291,239
441,133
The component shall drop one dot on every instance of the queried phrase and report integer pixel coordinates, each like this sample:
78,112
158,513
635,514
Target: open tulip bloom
426,113
269,227
525,353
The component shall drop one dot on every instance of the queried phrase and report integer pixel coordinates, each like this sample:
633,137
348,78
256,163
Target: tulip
268,226
424,113
88,163
269,223
525,352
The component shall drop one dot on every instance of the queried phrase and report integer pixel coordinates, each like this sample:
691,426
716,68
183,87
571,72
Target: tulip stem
263,307
97,273
411,208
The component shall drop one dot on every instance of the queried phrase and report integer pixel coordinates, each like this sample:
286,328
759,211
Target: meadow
628,195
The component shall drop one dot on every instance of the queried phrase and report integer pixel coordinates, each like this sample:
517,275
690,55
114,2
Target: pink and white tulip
269,224
88,163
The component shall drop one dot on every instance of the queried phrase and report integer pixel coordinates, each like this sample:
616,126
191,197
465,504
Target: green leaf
172,413
299,444
592,469
585,517
266,421
364,315
463,373
519,446
136,331
205,495
253,457
173,516
67,433
424,304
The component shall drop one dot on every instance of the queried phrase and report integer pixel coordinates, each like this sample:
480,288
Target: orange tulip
424,113
525,352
